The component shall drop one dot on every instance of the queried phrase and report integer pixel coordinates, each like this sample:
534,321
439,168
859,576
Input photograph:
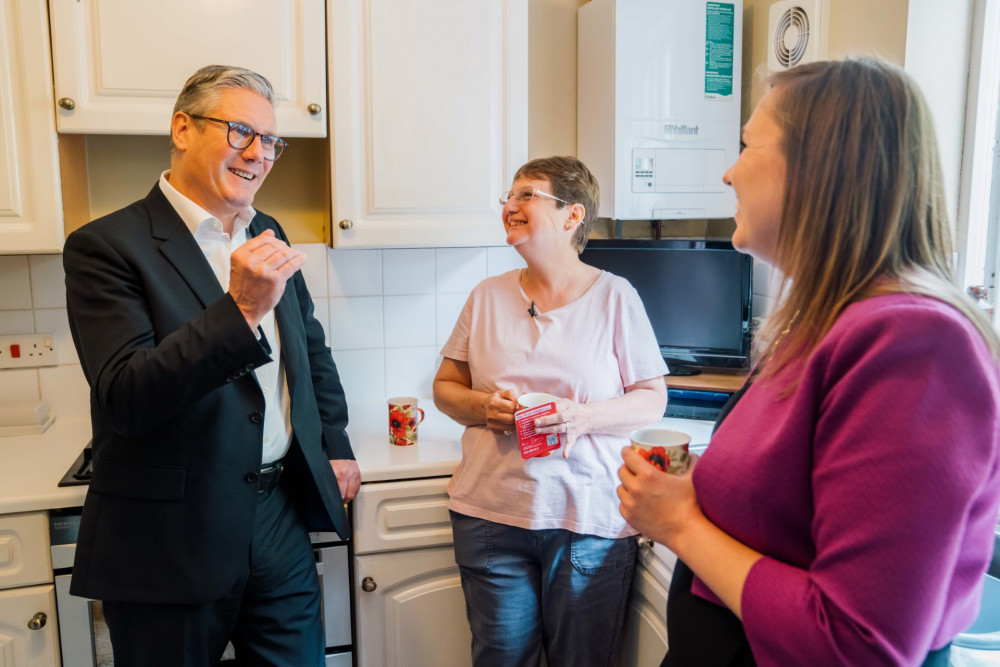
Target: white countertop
31,466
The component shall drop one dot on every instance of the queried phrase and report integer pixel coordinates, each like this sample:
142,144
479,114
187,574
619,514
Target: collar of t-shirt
218,246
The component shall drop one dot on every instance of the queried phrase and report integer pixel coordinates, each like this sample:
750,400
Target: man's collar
195,216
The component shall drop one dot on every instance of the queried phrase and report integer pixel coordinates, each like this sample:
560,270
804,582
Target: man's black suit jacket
177,413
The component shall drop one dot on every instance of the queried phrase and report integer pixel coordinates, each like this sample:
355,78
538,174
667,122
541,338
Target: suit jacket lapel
180,248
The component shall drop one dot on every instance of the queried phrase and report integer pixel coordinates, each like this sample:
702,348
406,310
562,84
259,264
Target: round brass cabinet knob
38,621
346,224
314,109
368,585
66,103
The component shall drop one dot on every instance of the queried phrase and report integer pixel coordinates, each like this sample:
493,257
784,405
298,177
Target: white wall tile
16,321
362,372
16,292
449,306
761,278
459,269
502,259
410,371
409,320
356,322
408,271
321,311
314,270
354,272
56,321
19,384
762,305
66,391
48,281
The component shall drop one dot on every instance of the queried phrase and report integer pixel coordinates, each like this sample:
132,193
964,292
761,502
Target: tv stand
708,380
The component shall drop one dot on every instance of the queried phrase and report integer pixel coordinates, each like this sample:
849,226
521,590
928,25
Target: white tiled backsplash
386,314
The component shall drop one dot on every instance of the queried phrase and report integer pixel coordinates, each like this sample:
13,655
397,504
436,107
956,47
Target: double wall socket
28,350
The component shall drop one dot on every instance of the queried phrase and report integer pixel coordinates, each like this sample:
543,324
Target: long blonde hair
864,209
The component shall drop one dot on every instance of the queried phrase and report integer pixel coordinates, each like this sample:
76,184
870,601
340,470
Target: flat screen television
697,295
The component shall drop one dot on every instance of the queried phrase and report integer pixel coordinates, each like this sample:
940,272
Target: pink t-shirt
588,350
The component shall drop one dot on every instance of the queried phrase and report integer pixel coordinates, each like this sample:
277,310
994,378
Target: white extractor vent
797,33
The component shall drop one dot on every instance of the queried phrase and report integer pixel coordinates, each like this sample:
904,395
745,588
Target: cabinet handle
368,585
346,224
67,103
644,541
38,621
314,109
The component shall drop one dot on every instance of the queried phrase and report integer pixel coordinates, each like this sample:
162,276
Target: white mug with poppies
404,415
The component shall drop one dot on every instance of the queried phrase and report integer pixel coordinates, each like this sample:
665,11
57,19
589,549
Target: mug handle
420,410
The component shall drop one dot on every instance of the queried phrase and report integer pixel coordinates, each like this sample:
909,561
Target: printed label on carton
535,444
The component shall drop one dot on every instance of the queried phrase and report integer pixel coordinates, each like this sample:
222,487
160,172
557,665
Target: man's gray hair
201,91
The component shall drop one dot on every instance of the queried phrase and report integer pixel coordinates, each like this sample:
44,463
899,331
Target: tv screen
697,295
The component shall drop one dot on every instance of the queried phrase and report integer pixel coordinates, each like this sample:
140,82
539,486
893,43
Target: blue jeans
529,590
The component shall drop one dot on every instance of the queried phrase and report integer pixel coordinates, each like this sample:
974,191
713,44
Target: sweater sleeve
904,474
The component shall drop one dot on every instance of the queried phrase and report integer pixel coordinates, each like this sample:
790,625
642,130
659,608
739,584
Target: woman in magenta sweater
844,512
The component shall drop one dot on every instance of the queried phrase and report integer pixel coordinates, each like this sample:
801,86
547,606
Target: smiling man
218,414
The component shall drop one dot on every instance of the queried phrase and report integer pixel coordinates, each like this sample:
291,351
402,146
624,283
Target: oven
83,634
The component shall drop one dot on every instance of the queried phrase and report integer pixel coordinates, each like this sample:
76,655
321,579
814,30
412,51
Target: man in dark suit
218,414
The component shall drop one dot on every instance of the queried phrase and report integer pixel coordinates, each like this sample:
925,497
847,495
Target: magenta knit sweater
872,490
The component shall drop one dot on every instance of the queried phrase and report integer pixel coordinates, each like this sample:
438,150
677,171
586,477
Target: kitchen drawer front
24,550
401,515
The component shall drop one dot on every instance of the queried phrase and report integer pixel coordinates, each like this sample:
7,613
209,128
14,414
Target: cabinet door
31,215
21,645
410,610
428,119
119,64
644,642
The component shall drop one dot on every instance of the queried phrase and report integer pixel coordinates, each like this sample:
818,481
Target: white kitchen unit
644,642
28,632
31,215
409,605
119,64
428,119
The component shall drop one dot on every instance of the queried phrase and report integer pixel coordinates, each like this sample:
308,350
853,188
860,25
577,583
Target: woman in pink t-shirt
546,559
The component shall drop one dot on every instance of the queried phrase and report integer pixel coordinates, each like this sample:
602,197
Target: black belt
268,476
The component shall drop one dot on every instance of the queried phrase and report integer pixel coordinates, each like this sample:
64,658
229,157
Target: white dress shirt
218,246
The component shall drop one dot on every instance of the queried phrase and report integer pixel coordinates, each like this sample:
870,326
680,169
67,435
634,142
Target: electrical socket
28,350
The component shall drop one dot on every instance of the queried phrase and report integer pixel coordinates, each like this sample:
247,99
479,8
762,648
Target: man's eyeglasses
240,137
524,195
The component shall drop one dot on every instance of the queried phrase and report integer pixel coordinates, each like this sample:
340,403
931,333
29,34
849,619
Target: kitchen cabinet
644,641
120,64
31,216
428,119
409,606
28,632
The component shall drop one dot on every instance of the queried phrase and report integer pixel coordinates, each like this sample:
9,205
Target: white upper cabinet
428,118
119,64
31,216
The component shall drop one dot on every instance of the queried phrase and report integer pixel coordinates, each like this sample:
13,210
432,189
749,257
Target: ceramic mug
664,448
404,415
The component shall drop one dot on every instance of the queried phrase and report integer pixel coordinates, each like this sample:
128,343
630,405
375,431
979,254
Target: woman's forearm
463,404
641,406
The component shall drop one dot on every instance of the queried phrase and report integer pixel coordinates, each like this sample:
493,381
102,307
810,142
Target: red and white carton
534,444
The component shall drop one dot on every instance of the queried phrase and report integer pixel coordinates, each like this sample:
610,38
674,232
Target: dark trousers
272,613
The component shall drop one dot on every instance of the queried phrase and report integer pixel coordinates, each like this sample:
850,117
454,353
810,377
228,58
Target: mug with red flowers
404,415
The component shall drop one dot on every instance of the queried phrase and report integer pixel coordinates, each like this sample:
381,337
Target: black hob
79,473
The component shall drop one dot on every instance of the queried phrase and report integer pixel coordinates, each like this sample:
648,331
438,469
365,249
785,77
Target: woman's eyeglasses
524,195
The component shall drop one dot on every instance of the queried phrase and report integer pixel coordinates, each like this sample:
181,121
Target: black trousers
272,613
705,634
